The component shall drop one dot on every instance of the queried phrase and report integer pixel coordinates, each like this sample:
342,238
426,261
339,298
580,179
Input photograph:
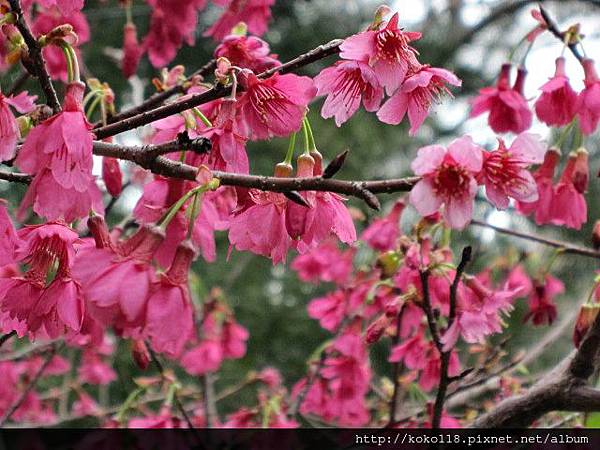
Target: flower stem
311,137
290,151
202,117
193,215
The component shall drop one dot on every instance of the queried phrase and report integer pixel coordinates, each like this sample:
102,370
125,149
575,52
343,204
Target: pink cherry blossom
93,370
172,23
247,52
386,50
383,233
132,51
324,263
169,313
415,96
256,14
558,103
508,109
448,179
48,19
274,106
569,207
541,301
543,176
346,84
9,128
8,237
588,102
59,152
66,7
505,173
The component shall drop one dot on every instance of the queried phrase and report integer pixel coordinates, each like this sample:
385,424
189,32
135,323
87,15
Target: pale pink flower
448,179
415,96
386,50
346,84
274,106
508,109
256,14
588,102
505,173
9,128
557,105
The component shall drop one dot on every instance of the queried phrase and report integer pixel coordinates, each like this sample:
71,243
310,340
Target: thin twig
440,398
35,63
215,93
564,246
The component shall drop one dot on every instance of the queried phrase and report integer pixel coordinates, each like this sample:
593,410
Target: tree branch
564,246
563,389
216,92
35,64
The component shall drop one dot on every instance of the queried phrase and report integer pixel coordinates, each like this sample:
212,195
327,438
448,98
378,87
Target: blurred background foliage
271,301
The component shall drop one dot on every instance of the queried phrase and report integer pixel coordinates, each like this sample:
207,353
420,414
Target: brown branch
553,28
396,371
6,337
564,246
445,380
563,389
35,63
160,97
216,92
17,403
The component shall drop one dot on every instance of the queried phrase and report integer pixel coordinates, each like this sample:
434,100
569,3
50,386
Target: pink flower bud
581,171
140,354
99,231
132,51
111,174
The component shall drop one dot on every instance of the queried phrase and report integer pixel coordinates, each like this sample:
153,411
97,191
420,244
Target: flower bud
111,175
222,70
581,171
389,263
132,51
283,170
318,169
306,164
585,319
377,328
140,354
99,231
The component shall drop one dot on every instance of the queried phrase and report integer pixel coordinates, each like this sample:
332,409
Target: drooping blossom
256,14
508,109
274,106
540,28
383,233
221,338
557,105
46,298
448,179
346,84
504,172
118,284
172,23
9,128
247,52
112,176
59,152
542,308
162,193
415,96
542,208
8,237
386,50
169,314
569,207
48,19
588,102
132,50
